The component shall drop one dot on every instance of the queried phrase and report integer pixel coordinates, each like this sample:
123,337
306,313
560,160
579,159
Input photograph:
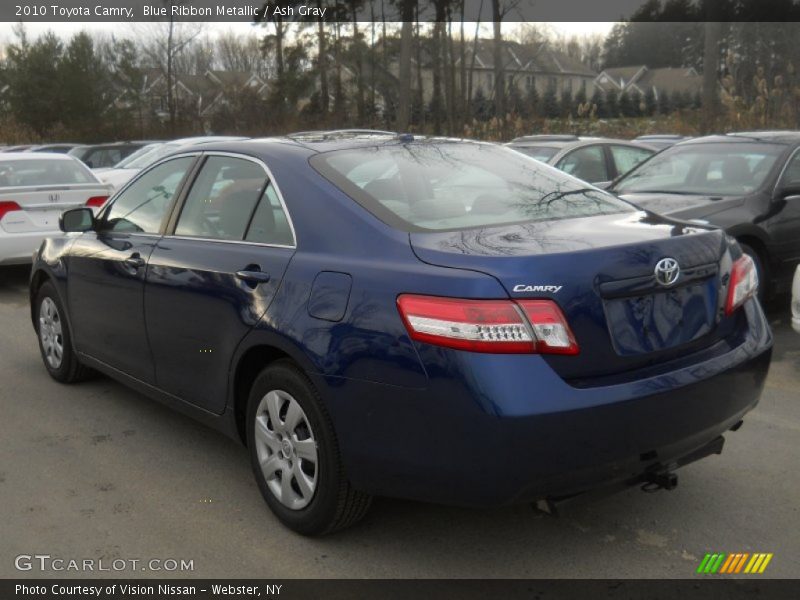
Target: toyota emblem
667,271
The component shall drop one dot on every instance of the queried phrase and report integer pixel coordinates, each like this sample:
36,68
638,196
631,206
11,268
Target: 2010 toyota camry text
424,318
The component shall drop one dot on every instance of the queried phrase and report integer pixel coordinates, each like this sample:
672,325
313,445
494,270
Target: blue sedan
425,318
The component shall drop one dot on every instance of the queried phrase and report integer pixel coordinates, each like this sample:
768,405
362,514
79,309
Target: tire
55,339
289,431
763,284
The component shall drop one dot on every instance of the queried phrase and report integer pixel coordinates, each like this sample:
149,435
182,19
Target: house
641,79
528,66
198,97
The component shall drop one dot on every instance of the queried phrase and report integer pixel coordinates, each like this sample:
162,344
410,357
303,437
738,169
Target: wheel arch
249,362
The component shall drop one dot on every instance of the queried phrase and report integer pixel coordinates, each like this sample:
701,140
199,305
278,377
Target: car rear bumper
18,248
508,429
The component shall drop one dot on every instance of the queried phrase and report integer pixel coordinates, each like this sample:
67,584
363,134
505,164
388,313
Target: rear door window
270,224
587,163
627,157
222,199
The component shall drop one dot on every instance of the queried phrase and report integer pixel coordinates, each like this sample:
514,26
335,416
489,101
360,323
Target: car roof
773,137
309,145
531,141
36,156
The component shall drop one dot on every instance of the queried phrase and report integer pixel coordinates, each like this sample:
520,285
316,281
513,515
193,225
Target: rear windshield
147,158
439,186
31,172
718,168
542,153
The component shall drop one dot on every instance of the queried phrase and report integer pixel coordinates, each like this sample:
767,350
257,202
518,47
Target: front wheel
295,456
55,341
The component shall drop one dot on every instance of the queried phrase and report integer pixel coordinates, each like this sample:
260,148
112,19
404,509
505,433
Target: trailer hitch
660,481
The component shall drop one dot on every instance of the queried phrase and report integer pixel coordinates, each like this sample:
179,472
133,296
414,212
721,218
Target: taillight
96,201
743,283
498,326
7,206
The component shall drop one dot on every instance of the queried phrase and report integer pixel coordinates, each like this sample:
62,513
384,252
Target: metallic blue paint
415,420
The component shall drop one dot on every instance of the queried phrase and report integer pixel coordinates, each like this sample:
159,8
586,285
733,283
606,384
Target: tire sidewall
317,516
62,372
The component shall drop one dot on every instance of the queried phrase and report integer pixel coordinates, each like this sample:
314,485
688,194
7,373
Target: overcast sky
66,30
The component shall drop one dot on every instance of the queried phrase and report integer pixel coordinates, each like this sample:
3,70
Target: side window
222,199
270,225
142,206
791,176
587,163
627,157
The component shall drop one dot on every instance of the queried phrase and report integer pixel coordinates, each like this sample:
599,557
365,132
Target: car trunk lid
600,270
41,207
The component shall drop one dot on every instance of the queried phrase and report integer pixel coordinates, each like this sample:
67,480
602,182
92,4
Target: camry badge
667,271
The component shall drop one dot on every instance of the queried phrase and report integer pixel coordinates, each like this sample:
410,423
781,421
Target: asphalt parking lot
97,471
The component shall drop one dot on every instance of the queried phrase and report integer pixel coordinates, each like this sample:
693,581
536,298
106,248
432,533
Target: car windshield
542,153
143,157
718,168
43,171
445,186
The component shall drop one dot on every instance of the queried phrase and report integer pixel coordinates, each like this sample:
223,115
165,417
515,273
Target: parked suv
431,319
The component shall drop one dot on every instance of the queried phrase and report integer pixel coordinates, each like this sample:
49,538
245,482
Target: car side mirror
76,219
790,189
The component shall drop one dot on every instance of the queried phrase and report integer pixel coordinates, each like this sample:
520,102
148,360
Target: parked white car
35,188
796,300
130,166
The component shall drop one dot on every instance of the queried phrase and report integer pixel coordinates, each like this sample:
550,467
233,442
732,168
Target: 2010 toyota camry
431,319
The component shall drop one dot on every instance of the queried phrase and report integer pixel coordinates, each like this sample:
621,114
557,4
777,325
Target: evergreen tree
650,105
625,105
33,80
480,105
612,103
677,100
550,107
566,106
664,104
636,104
533,101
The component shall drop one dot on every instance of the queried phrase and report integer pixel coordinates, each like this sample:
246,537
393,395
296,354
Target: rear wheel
295,456
55,341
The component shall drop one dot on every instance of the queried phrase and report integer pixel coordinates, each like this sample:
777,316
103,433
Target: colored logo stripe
734,563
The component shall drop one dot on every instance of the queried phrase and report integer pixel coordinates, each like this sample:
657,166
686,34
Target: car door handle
253,276
134,261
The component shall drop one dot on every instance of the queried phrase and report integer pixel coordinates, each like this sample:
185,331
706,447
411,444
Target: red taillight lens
553,335
96,201
743,283
499,326
7,206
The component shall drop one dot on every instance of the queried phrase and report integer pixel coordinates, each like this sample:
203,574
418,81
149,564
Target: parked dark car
431,319
661,140
99,156
595,160
748,184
